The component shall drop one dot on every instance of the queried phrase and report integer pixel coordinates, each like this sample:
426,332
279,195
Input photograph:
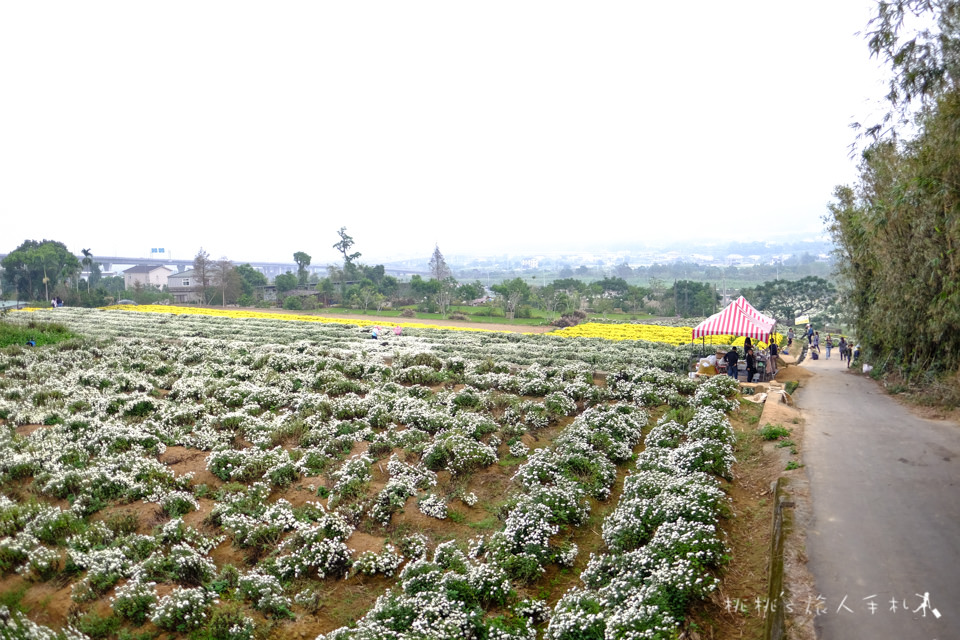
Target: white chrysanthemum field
225,477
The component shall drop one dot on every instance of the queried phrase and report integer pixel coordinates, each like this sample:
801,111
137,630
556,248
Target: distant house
145,276
184,286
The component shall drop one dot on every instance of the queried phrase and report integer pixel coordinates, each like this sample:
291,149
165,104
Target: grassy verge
42,333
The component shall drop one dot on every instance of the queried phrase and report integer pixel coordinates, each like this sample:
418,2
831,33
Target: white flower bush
265,593
184,609
661,539
386,562
433,506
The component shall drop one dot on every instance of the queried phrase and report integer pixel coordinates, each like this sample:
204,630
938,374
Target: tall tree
438,266
87,263
226,280
303,261
512,293
202,267
344,246
285,282
349,268
39,265
250,279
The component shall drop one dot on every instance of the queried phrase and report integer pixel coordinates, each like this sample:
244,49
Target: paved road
886,511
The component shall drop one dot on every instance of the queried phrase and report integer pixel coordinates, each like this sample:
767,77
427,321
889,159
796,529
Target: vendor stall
739,318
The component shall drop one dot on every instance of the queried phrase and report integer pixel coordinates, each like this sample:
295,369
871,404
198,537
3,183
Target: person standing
790,336
829,344
732,358
751,365
842,346
774,351
816,341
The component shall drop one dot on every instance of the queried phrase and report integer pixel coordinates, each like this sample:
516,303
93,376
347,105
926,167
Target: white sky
258,129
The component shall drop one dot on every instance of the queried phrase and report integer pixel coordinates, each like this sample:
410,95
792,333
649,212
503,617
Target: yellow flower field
647,332
266,315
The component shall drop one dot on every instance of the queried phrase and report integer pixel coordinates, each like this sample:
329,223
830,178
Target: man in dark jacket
732,358
751,365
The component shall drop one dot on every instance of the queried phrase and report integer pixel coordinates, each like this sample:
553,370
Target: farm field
212,476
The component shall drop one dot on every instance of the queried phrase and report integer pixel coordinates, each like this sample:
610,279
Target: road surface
884,540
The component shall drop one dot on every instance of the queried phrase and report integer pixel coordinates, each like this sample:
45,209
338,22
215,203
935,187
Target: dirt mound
792,374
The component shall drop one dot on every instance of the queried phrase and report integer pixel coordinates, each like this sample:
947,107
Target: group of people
750,359
56,302
848,351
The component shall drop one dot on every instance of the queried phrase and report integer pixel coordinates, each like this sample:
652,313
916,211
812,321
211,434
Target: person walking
773,350
816,341
790,336
829,344
843,347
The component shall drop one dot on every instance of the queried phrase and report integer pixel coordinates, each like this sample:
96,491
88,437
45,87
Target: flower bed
376,433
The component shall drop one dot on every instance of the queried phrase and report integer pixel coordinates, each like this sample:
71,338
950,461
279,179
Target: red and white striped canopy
736,321
749,309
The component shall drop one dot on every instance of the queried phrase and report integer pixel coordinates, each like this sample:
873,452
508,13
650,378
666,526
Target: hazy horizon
502,127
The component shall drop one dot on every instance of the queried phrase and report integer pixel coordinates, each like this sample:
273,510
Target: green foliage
35,268
774,432
303,261
897,230
97,626
286,282
43,333
292,303
691,299
788,299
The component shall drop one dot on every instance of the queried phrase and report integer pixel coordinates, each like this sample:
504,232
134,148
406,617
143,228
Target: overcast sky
256,130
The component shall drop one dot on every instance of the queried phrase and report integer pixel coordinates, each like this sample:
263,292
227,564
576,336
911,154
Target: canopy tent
751,311
736,321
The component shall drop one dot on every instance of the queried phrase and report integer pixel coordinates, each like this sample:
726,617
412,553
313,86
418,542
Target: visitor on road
790,337
844,349
774,350
816,341
732,358
829,344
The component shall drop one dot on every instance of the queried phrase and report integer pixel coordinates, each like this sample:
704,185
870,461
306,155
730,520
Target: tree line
897,228
48,266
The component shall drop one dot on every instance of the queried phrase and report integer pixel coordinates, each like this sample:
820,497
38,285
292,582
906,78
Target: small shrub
774,432
408,313
96,626
183,609
134,600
